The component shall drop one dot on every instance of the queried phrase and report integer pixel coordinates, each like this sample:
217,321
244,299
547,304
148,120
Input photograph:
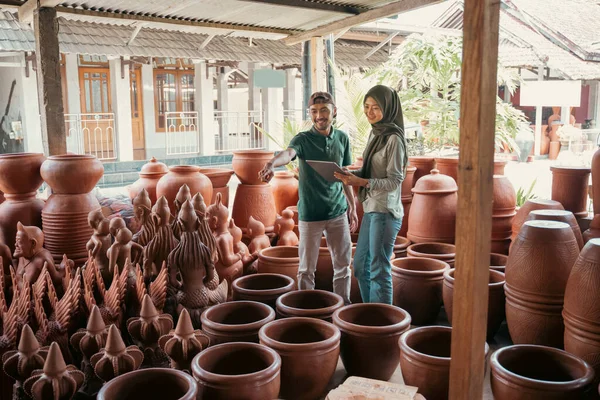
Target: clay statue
116,224
258,239
158,249
142,210
100,241
121,250
285,229
183,195
6,256
206,236
240,247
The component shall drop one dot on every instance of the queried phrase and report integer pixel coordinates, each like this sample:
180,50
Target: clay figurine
116,224
183,343
159,248
240,247
183,195
121,250
142,210
204,231
115,359
258,239
285,229
100,241
6,257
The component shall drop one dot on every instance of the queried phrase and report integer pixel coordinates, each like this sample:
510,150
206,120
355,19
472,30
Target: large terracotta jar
309,351
439,251
423,164
180,175
285,190
65,214
448,166
150,174
406,197
219,177
235,321
526,372
417,286
254,201
498,262
562,216
537,270
529,206
309,303
433,211
264,288
570,188
150,383
19,180
237,371
369,342
280,260
248,163
503,213
496,300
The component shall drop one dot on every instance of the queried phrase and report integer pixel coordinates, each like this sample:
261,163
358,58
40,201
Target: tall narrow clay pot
285,190
570,188
561,216
150,174
503,213
280,260
236,321
424,165
309,303
529,206
406,197
248,163
150,383
254,201
19,180
264,288
219,177
180,175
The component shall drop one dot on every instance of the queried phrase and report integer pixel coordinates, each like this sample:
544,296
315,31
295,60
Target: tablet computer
326,169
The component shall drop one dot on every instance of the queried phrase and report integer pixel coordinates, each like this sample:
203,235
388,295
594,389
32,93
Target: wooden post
306,77
474,214
49,81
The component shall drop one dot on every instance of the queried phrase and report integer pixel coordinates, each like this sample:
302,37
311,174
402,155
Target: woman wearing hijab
380,182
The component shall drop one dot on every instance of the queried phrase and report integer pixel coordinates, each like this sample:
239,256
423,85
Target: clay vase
285,190
561,216
496,300
19,180
526,372
309,351
248,163
65,214
423,164
553,150
432,215
180,175
150,174
282,260
448,166
369,342
400,246
529,206
503,213
236,321
417,286
570,188
254,201
237,371
219,177
498,262
406,197
263,288
537,270
309,303
499,166
439,251
425,360
150,383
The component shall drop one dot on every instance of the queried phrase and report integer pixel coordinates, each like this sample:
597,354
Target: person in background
323,206
380,182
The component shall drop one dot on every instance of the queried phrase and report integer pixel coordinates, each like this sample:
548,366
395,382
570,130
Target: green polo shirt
320,200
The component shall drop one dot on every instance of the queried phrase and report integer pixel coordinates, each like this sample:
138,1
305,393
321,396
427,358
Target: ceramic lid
154,167
435,183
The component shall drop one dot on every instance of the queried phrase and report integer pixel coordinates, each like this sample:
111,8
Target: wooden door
137,115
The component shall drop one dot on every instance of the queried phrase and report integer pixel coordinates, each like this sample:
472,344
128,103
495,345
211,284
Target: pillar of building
121,107
32,129
272,105
203,80
594,103
74,139
223,107
289,92
254,99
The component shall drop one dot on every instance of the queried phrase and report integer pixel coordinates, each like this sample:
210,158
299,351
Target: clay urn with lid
248,163
285,190
423,165
406,197
318,304
570,188
432,216
180,175
219,178
151,383
265,287
529,206
562,216
150,174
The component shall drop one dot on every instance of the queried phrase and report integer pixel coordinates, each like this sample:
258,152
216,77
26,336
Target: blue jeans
372,267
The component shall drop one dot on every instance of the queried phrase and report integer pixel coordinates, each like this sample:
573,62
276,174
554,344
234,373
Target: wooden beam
138,28
340,34
372,15
207,41
314,5
390,37
26,10
49,81
369,37
474,214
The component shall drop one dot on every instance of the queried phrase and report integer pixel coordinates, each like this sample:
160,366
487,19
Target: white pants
337,233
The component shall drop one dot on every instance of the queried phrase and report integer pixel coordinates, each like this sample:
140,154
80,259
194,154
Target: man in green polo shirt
324,207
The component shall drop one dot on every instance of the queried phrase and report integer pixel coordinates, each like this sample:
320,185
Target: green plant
523,196
289,128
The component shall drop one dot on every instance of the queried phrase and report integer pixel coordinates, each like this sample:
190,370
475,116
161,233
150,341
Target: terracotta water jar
150,174
285,190
19,180
318,304
537,270
236,321
219,177
503,213
570,188
498,262
425,360
263,288
400,246
254,201
448,166
528,372
309,349
65,214
496,300
529,206
562,216
406,197
432,215
423,164
180,175
150,383
370,334
282,260
237,371
248,163
439,251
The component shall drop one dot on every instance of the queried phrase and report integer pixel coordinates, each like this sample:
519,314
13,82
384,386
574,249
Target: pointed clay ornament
93,338
150,325
29,357
182,344
116,359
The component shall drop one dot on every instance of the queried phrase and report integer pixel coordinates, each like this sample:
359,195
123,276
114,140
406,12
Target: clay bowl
319,304
369,342
248,163
309,350
237,371
218,176
72,173
532,372
498,262
425,360
150,384
440,251
25,167
280,260
237,321
264,288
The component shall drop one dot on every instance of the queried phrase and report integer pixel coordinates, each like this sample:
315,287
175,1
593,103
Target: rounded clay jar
280,260
150,174
180,175
439,251
285,190
248,163
150,384
264,288
318,304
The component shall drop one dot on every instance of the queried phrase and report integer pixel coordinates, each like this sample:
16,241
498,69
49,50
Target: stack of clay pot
407,197
219,177
594,229
150,174
180,175
65,215
253,197
503,213
570,188
285,190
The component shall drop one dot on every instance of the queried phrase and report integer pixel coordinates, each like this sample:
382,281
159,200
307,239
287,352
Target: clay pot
537,270
19,180
498,262
503,213
309,303
237,371
527,372
309,351
433,210
254,201
425,360
263,288
282,260
369,342
561,216
423,164
150,174
180,175
285,190
570,188
400,246
496,300
407,185
499,166
236,321
248,163
448,166
72,173
324,272
219,177
529,206
439,251
554,150
150,383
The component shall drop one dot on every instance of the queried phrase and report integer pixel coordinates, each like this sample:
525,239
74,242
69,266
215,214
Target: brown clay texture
248,163
285,190
562,216
150,383
424,166
254,201
150,174
570,188
263,288
280,260
180,175
237,321
318,304
529,206
503,213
